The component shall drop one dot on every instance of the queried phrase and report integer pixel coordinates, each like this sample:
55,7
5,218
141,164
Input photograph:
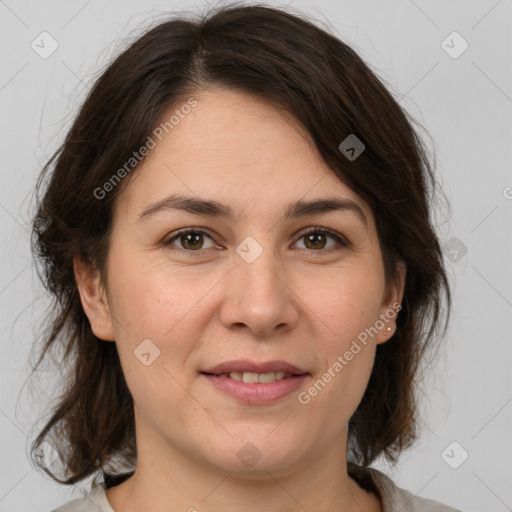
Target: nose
258,298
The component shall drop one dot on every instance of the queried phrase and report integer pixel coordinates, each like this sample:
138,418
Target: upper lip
245,365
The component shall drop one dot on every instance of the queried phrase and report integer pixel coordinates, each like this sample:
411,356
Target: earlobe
93,298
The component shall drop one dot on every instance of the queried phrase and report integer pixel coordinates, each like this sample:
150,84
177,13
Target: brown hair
283,58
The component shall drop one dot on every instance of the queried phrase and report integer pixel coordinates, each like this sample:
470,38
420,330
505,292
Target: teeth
252,378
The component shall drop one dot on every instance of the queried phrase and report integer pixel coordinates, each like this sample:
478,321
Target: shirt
393,498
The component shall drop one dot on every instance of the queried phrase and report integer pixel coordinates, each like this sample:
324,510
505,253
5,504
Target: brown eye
189,240
317,240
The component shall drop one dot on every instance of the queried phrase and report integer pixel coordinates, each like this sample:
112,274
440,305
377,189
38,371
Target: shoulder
395,498
94,501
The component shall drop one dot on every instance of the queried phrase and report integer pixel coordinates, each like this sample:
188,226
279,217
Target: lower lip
257,393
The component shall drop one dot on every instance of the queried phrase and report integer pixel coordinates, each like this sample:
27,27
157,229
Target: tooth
224,375
253,378
250,377
267,377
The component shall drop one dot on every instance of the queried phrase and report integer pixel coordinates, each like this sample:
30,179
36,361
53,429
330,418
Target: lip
245,365
257,393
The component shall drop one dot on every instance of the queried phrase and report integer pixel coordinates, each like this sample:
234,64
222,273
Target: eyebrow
210,208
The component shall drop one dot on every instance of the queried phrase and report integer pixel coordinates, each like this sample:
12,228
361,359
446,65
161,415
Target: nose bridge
257,271
258,296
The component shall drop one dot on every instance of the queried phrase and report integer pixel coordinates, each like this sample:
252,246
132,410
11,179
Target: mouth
256,383
241,369
253,378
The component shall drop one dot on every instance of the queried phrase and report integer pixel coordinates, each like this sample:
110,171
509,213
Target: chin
253,457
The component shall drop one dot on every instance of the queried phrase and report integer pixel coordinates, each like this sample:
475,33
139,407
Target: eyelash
322,231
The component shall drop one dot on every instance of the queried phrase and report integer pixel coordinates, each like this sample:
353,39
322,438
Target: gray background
465,105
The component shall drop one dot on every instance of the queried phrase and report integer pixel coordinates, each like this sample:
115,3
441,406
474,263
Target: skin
303,303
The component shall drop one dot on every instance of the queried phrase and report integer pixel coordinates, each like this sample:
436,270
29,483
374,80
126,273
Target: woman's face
252,285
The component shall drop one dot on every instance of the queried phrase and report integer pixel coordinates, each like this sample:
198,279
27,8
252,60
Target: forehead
238,149
233,130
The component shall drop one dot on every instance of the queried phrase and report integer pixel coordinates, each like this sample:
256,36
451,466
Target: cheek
160,311
150,298
347,302
345,309
339,385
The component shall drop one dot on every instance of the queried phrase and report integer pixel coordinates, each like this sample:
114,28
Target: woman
236,232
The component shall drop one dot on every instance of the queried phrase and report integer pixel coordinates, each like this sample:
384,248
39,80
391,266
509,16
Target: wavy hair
288,60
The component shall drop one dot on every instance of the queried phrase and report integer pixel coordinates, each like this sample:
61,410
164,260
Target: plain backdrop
463,98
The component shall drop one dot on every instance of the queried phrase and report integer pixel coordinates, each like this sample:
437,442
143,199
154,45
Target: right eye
191,240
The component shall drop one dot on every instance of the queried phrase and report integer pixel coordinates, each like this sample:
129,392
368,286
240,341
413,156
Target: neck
183,485
178,481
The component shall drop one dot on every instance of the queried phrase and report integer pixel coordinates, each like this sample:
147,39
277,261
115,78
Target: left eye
192,240
316,236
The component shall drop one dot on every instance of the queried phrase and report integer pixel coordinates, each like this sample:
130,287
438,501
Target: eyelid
340,239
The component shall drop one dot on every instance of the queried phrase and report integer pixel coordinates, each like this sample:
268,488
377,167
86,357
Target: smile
255,388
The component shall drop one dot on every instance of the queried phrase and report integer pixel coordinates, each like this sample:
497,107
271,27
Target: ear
391,305
93,298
